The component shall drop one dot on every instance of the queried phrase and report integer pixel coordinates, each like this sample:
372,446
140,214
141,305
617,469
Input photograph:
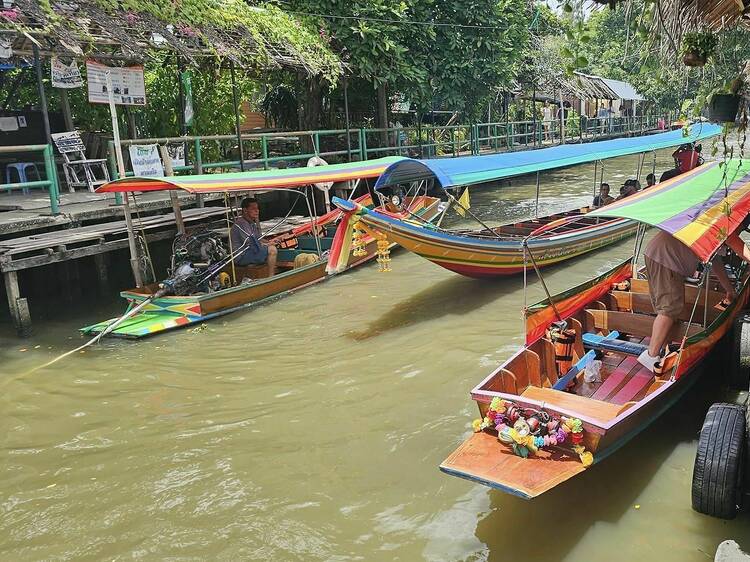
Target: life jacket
562,338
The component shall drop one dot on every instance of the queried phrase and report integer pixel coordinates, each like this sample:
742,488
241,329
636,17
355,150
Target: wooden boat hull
171,312
608,422
488,257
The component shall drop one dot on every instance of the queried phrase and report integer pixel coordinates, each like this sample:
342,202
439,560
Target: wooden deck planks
615,379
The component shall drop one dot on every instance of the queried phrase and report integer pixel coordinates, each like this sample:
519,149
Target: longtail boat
545,416
499,251
246,286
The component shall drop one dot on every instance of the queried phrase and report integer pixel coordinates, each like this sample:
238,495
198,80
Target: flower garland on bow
527,430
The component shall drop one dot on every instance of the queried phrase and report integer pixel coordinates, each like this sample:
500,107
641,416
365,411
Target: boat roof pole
596,165
536,206
641,159
313,217
134,262
527,250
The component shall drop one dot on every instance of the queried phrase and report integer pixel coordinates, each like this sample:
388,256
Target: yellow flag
464,203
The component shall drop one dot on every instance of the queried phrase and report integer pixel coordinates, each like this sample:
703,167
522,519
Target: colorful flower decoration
527,430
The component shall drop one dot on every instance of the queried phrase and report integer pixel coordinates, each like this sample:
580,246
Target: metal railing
266,150
50,183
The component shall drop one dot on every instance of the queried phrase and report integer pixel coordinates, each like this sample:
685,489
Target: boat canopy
694,207
469,170
255,180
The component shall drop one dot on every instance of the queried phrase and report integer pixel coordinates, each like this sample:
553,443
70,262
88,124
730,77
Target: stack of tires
721,473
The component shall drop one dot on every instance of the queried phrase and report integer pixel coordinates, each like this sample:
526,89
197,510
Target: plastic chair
21,170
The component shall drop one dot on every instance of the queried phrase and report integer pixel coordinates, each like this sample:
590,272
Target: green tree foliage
456,65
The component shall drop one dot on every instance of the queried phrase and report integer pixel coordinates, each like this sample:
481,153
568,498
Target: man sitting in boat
246,231
668,263
604,197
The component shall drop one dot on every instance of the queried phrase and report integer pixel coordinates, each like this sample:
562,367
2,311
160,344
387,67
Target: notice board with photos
128,85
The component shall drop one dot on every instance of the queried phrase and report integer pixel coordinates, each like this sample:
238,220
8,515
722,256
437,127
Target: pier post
102,274
19,307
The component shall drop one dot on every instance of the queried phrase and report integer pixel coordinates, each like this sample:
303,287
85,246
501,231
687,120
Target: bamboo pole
134,265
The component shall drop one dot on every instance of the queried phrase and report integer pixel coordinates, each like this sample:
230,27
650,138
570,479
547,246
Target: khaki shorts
666,288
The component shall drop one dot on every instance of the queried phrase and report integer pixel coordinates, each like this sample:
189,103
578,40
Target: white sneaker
647,361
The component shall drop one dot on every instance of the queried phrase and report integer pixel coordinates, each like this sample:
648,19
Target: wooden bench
580,405
605,321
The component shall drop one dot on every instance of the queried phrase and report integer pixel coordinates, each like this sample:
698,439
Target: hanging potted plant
697,47
724,104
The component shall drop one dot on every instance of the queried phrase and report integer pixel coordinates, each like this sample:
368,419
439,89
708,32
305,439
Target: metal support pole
596,165
237,117
134,262
346,120
536,207
42,94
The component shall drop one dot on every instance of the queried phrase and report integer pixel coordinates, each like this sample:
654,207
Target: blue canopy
470,170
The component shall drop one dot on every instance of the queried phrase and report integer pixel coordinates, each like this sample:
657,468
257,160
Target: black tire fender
739,360
719,462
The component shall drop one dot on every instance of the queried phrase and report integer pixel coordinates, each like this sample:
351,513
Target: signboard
145,160
128,85
65,75
177,152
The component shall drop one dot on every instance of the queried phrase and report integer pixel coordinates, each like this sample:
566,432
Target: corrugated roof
623,90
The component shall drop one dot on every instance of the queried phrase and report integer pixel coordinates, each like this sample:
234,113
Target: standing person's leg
667,291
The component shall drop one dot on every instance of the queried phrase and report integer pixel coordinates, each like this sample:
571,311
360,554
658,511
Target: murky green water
312,428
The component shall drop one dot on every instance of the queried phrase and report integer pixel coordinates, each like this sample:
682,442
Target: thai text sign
128,86
65,75
145,160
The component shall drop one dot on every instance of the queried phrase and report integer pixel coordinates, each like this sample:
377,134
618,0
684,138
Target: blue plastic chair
21,169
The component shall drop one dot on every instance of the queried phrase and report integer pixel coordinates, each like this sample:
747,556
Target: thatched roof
673,18
251,37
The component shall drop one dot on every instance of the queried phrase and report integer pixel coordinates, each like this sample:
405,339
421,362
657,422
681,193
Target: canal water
312,429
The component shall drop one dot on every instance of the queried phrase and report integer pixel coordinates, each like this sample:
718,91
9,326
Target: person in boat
669,174
687,157
604,198
246,231
668,263
630,187
650,180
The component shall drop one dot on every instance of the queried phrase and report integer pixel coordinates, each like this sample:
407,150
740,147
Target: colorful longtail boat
541,421
499,251
251,285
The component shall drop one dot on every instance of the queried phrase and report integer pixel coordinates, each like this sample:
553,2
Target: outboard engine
197,259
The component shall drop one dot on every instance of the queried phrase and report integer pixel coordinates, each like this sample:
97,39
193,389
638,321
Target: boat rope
527,250
314,219
163,291
476,218
705,274
283,219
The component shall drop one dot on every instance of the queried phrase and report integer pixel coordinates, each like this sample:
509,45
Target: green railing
266,150
50,183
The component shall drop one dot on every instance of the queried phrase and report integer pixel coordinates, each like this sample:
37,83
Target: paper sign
6,50
145,160
187,88
128,86
21,120
177,152
8,124
65,75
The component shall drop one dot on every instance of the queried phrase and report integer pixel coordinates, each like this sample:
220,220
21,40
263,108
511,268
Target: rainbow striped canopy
255,180
700,208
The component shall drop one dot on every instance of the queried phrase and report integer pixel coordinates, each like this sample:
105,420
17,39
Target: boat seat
259,271
579,405
633,323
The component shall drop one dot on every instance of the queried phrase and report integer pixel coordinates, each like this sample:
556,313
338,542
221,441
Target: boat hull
484,257
172,312
607,425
